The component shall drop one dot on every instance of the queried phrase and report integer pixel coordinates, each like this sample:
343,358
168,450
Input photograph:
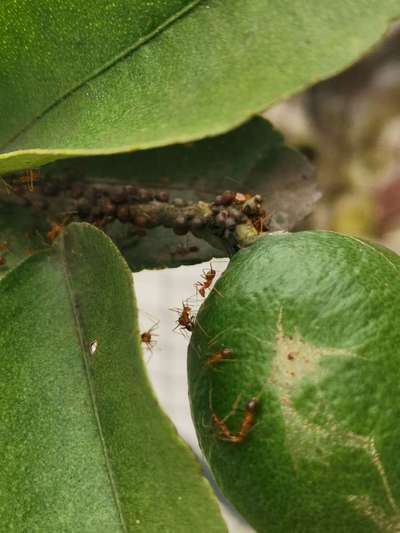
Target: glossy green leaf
21,234
84,444
103,77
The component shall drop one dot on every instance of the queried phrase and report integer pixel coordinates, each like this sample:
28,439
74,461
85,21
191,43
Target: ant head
252,405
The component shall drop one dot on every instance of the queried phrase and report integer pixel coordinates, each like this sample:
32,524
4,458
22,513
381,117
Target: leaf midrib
105,67
84,350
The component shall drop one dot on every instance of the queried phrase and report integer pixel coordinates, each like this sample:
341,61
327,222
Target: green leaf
84,444
21,233
89,78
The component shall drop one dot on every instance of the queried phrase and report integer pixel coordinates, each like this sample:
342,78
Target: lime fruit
294,383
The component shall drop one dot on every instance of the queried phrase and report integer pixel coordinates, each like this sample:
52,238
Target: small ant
261,223
217,357
208,276
54,231
147,337
247,423
2,261
185,319
28,178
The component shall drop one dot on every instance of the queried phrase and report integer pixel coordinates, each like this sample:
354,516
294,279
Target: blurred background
349,127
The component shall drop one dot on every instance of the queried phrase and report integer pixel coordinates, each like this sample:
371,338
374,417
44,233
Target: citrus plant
124,127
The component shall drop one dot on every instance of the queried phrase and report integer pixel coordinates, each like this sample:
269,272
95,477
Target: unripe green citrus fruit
310,324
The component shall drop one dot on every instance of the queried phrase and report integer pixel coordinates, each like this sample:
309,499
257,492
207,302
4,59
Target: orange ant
260,223
54,231
217,357
247,423
29,177
185,319
208,276
147,337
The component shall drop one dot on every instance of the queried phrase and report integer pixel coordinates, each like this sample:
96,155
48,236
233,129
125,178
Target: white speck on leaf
93,347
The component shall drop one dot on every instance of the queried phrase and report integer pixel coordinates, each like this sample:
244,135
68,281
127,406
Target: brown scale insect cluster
231,209
141,208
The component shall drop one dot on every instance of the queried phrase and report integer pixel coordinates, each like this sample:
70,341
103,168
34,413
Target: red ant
260,223
29,177
147,337
54,231
185,319
217,357
208,277
247,423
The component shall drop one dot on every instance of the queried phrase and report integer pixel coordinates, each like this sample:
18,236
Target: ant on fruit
147,337
217,357
208,276
224,432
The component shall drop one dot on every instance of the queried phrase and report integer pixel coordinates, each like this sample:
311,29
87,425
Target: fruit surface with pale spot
313,321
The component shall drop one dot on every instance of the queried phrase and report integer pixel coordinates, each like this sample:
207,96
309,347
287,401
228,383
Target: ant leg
234,408
202,329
